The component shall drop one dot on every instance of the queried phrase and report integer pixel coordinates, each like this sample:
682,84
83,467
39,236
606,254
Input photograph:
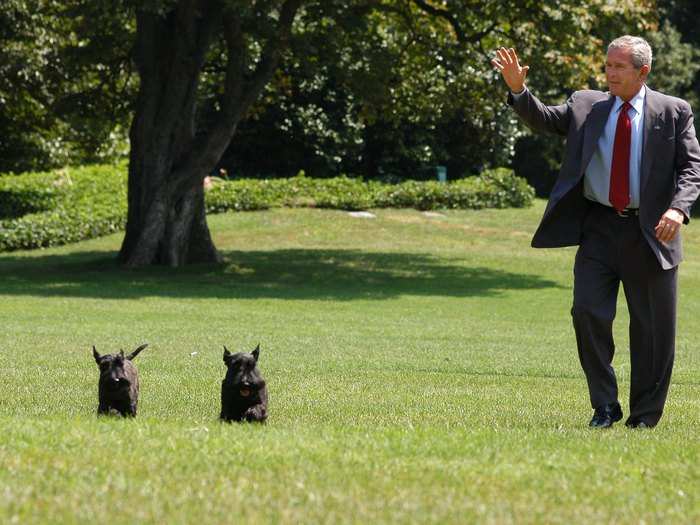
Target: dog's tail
136,352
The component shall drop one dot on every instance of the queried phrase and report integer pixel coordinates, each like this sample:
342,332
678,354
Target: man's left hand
669,225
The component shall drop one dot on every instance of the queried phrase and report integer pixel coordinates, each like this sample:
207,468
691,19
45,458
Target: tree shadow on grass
295,274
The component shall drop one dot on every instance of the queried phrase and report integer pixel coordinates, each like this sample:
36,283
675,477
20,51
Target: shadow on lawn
280,274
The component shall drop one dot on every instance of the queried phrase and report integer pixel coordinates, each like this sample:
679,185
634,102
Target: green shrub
492,189
66,206
59,207
497,188
30,192
344,193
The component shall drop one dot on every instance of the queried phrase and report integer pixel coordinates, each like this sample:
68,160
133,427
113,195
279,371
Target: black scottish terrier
243,390
119,383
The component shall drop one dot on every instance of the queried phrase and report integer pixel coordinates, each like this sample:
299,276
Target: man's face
624,80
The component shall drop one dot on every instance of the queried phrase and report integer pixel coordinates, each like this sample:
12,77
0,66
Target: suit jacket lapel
653,124
594,128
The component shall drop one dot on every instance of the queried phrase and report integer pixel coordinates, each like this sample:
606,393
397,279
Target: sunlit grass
421,369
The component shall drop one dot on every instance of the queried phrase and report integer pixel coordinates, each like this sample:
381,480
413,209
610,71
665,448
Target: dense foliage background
378,89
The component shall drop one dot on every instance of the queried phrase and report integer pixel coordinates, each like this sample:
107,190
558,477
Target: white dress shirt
596,183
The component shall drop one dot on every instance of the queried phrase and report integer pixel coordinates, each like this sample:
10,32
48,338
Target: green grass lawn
421,369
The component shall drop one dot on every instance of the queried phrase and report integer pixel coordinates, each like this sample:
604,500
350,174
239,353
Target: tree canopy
380,88
374,87
66,82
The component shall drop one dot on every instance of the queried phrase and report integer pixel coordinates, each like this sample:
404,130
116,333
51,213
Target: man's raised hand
507,63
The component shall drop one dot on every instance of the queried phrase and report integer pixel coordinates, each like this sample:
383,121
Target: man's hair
641,50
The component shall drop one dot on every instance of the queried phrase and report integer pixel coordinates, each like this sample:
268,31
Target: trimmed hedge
37,192
59,207
65,206
497,188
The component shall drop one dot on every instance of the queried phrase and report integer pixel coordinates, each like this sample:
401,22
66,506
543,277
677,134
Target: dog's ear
121,353
96,355
133,354
256,352
227,356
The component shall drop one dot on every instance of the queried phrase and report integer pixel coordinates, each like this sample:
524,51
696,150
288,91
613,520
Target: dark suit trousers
613,251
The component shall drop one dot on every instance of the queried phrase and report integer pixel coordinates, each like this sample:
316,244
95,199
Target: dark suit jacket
670,168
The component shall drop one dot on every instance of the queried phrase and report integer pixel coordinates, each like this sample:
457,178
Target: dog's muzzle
118,384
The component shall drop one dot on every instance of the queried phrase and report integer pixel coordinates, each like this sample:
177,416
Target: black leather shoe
606,415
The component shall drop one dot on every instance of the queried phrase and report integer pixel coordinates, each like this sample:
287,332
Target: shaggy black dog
243,390
119,383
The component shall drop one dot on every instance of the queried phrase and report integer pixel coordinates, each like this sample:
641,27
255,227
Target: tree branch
239,93
423,5
271,53
444,14
194,22
235,65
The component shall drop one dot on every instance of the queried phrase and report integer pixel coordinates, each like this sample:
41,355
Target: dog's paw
254,414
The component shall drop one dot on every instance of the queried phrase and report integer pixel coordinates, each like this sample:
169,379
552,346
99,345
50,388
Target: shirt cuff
686,219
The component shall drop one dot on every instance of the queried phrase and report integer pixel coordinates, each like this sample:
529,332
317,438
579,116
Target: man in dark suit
630,174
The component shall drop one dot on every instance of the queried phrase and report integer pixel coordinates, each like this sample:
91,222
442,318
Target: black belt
627,212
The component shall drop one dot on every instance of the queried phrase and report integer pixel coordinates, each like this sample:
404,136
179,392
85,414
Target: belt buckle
623,213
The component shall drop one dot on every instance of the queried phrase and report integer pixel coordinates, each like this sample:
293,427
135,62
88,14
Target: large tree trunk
166,221
170,229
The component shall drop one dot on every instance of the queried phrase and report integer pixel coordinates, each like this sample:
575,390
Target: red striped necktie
620,169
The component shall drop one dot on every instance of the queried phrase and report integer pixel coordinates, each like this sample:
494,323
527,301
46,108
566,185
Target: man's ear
96,355
644,71
227,356
256,352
